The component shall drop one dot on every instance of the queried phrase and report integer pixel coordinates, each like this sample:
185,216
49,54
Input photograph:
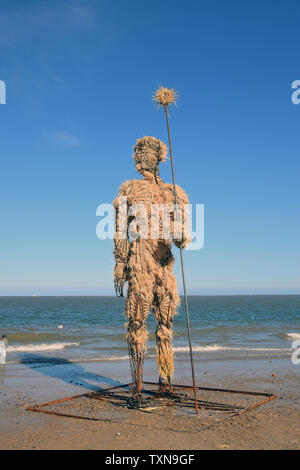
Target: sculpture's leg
164,311
137,309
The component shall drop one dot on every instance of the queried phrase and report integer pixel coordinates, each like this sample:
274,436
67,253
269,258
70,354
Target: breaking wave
216,347
40,347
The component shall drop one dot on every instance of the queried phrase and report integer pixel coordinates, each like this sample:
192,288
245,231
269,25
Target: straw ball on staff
165,96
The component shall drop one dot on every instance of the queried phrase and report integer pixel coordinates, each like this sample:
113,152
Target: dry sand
275,425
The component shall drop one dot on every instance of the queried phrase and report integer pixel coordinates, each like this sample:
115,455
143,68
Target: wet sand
274,425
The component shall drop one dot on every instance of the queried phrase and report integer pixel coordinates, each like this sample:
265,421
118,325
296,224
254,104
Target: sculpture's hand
180,227
120,277
121,253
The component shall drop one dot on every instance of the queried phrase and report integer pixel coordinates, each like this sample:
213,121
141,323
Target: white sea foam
216,347
205,349
100,359
40,347
115,358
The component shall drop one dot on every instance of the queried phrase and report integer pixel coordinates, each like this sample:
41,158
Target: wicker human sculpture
144,259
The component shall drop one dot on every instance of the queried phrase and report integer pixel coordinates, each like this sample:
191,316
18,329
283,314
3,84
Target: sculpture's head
148,153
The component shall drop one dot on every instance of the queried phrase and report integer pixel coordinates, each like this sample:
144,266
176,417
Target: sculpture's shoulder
127,189
181,194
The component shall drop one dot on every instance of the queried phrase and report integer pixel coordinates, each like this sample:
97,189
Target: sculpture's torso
154,196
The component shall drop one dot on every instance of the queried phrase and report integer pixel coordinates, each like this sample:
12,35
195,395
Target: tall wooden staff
164,97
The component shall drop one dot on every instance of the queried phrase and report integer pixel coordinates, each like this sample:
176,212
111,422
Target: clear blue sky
79,77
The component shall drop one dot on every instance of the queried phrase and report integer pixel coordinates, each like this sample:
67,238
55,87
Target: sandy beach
274,425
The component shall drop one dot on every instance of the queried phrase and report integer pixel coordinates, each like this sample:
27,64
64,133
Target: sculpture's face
148,153
146,159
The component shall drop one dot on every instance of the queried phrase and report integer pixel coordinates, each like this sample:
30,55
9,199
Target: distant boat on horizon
34,295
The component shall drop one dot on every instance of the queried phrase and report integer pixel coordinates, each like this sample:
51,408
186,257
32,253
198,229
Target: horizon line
181,295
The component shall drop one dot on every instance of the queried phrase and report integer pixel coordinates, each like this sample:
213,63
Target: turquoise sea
94,327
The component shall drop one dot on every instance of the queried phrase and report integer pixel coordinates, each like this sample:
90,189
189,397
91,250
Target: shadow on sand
70,372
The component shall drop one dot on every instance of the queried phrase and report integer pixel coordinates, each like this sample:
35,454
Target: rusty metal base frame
153,400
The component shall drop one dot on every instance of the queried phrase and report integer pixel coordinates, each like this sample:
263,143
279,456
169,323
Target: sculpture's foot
166,388
136,400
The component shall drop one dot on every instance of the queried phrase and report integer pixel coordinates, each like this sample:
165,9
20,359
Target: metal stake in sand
164,97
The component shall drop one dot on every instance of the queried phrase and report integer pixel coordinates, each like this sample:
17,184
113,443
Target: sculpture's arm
180,226
121,241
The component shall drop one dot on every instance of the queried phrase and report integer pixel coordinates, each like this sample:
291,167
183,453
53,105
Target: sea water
94,328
